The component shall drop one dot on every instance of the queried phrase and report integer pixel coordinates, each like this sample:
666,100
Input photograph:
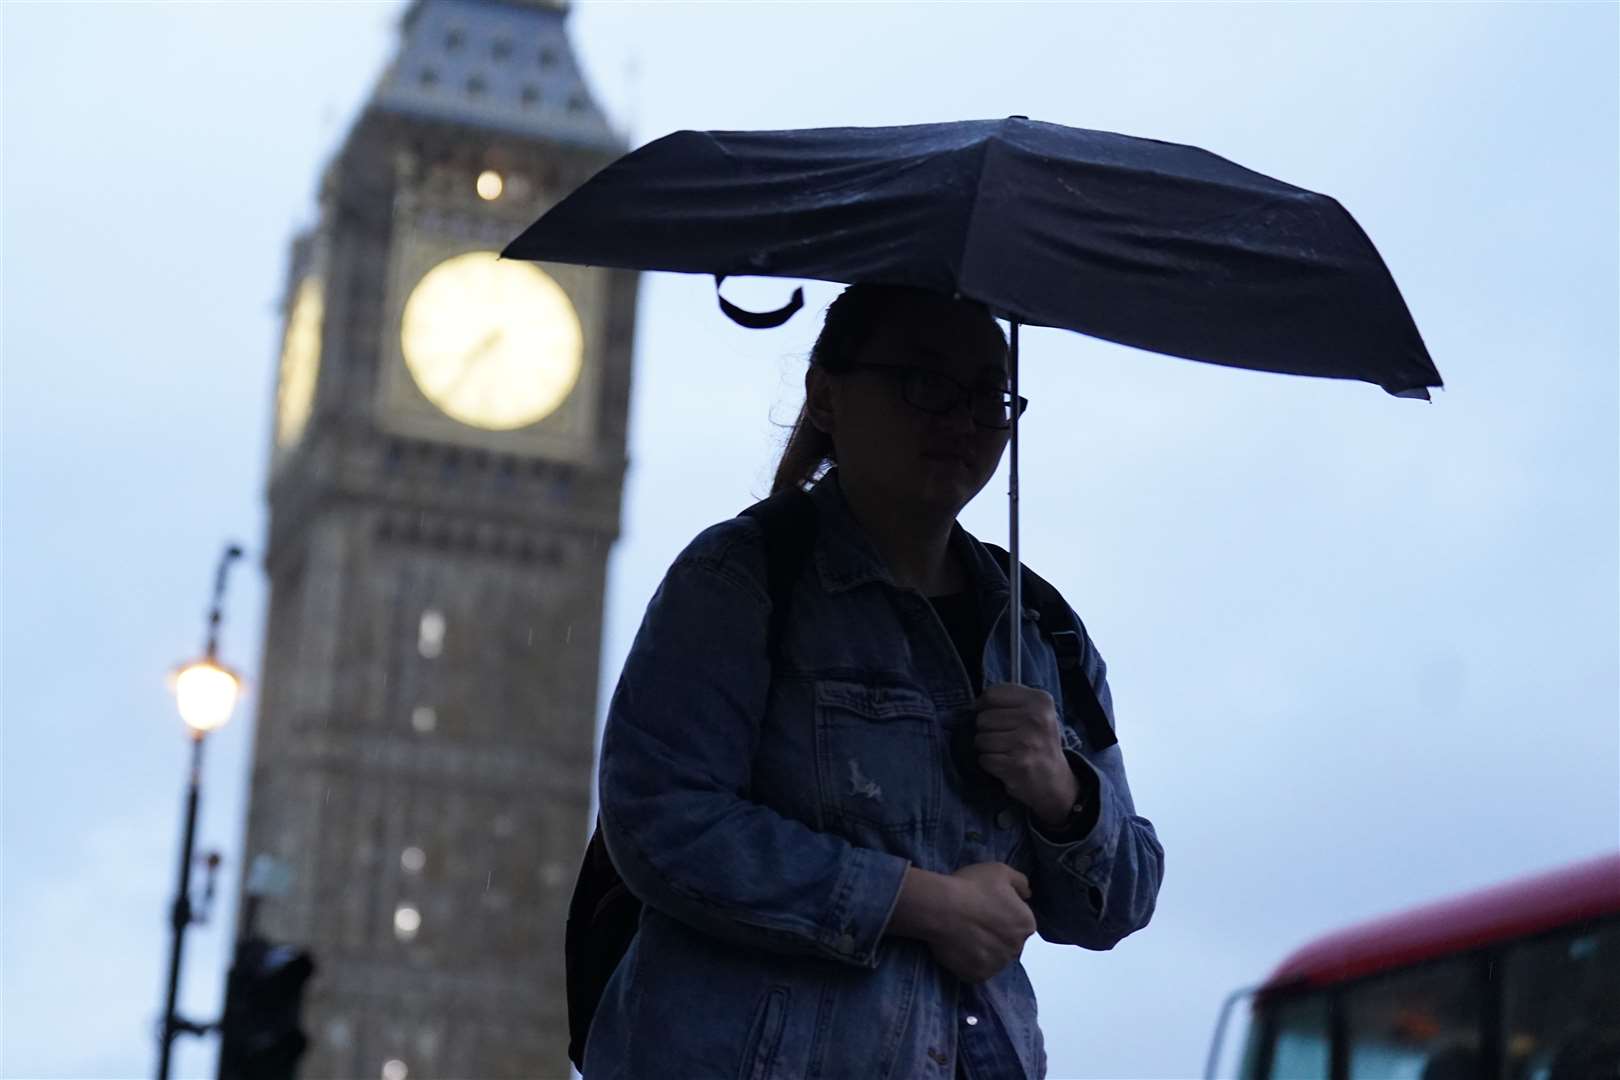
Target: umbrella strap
758,320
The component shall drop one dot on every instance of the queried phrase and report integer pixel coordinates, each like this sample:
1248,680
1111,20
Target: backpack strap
788,520
1062,628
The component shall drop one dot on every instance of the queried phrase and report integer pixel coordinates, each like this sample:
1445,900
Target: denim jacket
766,814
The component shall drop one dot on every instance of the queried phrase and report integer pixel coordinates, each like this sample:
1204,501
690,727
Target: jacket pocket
765,1035
879,771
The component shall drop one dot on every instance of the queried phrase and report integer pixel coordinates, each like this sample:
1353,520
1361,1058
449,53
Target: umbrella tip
1418,393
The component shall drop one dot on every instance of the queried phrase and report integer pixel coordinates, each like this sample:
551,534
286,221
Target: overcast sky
1364,650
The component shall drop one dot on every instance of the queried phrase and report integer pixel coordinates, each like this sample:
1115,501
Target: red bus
1516,982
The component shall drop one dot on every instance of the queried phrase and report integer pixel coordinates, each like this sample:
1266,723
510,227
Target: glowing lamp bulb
490,185
207,694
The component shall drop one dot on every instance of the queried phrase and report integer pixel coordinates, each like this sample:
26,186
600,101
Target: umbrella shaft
1014,575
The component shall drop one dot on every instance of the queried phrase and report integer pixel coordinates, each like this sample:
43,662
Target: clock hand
469,363
492,339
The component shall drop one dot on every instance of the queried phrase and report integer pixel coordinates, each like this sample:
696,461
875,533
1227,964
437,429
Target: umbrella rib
973,210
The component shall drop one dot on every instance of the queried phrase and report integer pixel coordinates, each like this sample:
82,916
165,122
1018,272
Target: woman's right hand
988,921
975,921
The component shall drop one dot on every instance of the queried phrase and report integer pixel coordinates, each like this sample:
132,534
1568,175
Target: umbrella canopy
1151,244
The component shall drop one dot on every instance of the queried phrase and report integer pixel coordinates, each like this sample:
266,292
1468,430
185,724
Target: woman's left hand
1018,743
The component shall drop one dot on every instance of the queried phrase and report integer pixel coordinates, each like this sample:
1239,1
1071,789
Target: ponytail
808,449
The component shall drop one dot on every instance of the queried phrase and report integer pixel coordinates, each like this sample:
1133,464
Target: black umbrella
1153,244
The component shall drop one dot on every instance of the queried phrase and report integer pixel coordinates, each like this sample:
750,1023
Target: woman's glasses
932,392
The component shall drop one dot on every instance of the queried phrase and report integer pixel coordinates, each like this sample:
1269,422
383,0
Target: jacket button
1005,819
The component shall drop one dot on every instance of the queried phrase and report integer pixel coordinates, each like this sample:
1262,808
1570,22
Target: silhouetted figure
842,822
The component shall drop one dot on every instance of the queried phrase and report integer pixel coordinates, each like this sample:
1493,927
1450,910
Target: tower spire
503,65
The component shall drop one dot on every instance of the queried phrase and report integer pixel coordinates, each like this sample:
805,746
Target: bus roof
1520,908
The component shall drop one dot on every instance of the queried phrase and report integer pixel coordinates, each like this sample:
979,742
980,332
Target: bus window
1409,996
1301,1047
1420,1024
1561,1006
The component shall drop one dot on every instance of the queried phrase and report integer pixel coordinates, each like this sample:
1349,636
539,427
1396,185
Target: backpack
603,914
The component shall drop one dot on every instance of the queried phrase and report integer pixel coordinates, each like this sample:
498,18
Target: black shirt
959,611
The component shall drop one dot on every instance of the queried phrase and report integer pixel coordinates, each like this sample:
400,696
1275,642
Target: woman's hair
851,320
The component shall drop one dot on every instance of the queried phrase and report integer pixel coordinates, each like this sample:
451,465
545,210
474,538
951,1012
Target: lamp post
206,691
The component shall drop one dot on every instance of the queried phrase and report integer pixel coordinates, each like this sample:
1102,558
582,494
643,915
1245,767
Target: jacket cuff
1088,854
1089,795
863,901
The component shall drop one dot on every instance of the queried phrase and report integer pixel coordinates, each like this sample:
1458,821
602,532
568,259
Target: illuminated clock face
300,363
495,344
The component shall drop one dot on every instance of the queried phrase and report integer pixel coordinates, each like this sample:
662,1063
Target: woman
830,889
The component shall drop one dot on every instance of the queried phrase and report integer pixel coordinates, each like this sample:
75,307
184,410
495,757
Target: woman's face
890,447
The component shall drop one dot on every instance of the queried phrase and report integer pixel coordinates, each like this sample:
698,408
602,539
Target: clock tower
449,451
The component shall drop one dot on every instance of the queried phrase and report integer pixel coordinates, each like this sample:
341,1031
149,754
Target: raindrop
568,636
413,859
531,636
394,1069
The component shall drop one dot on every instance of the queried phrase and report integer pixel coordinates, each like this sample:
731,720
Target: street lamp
206,691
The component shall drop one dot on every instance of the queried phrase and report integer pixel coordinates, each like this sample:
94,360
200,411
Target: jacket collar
845,556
